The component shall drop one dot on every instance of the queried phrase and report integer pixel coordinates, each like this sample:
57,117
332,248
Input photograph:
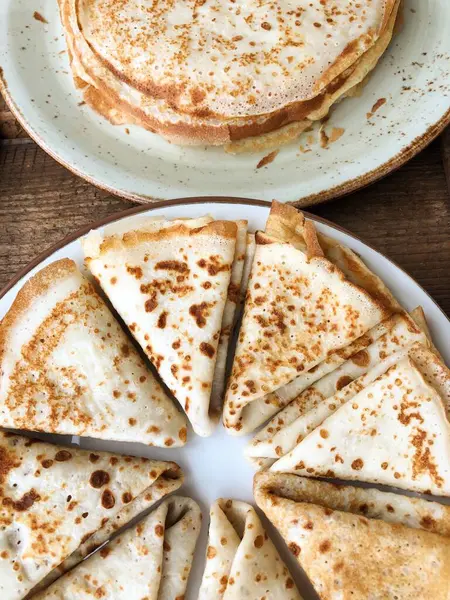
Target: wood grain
406,215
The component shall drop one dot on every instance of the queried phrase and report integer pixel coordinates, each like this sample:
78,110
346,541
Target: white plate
215,467
413,77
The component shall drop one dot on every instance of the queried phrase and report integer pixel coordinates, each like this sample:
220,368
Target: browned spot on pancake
390,508
250,384
207,349
172,265
162,320
116,394
113,280
47,463
176,344
166,546
38,17
265,25
93,457
266,160
361,358
427,522
357,464
324,546
136,271
384,466
99,478
182,434
294,548
200,312
24,503
113,460
8,462
259,541
159,530
206,285
132,421
343,381
338,458
197,95
406,418
422,459
126,497
324,434
63,455
108,500
100,592
104,551
151,303
168,442
308,525
153,429
213,265
338,566
211,552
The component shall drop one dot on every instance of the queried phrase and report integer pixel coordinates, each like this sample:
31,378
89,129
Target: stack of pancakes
246,75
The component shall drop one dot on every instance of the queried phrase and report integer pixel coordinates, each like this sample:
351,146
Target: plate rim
140,208
343,189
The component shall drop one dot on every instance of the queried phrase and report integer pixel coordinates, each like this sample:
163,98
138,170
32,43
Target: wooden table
406,215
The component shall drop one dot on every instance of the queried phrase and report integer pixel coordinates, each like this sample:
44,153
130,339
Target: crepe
241,560
357,543
229,318
393,430
56,502
389,341
151,560
258,81
302,315
170,286
67,367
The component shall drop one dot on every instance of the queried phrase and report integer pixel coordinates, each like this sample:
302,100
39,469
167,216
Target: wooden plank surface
406,215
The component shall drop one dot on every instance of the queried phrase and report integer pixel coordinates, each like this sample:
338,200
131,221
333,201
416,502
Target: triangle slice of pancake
389,341
67,367
170,286
150,560
56,502
394,431
300,308
360,543
241,560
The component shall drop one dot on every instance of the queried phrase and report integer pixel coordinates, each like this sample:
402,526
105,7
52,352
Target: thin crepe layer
395,431
170,286
151,560
241,560
55,499
67,367
391,340
229,317
300,310
356,543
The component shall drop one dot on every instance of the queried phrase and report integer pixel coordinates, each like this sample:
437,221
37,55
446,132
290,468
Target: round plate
215,466
413,78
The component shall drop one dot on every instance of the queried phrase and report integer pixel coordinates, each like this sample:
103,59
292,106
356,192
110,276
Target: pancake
219,74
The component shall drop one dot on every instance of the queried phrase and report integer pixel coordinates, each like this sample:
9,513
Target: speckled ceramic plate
215,466
410,87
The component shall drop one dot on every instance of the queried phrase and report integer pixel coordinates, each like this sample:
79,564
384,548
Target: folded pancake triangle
359,543
300,309
67,367
150,560
56,503
241,560
393,431
169,282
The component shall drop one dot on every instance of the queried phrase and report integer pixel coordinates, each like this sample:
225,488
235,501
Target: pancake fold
57,504
150,560
67,367
356,543
241,560
310,304
170,283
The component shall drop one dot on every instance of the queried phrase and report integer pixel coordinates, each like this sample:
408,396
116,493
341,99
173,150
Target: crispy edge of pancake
35,287
131,239
367,502
108,103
